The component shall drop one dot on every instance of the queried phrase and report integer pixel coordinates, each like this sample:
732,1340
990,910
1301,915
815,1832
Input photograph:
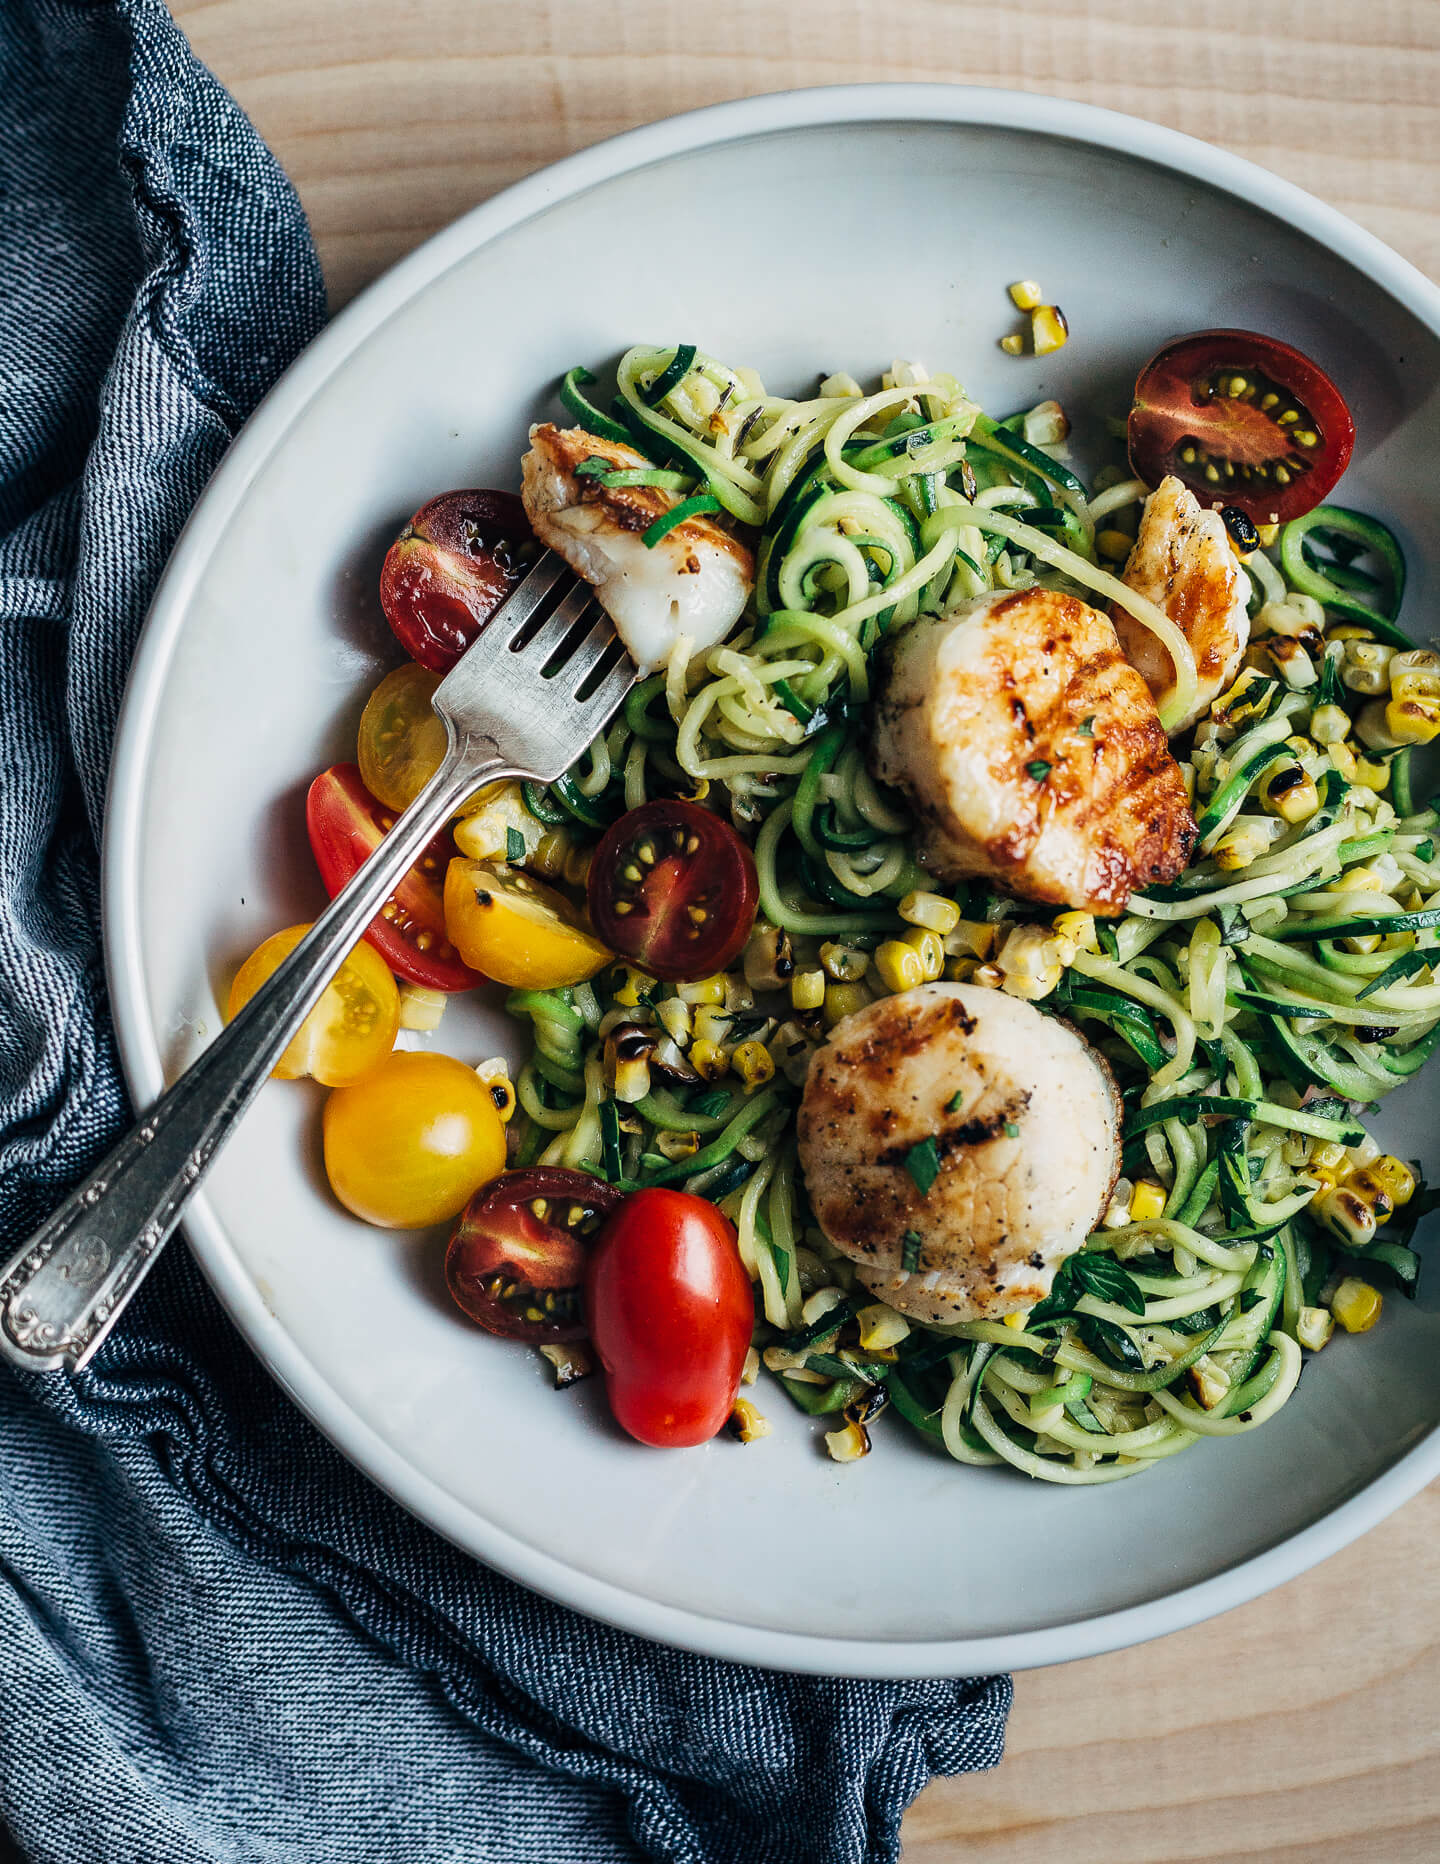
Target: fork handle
63,1290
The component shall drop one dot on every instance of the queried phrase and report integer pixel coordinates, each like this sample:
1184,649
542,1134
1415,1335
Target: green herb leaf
1425,851
781,1258
1109,943
592,466
1086,727
1039,770
1109,1342
910,1245
955,1102
1012,1131
923,1164
707,1105
1406,965
1104,1277
1199,1322
514,845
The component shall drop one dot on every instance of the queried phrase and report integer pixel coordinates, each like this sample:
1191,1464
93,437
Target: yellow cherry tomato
411,1144
350,1030
401,739
517,930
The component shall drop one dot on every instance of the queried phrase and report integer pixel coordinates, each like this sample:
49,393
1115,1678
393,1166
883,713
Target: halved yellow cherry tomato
412,1143
401,739
517,930
350,1030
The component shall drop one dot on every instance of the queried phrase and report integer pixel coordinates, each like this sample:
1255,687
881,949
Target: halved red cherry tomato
451,568
519,1251
669,1308
346,826
1244,420
674,888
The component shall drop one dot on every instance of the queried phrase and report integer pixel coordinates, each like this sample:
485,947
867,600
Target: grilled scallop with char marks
1032,753
1183,562
1024,1122
694,582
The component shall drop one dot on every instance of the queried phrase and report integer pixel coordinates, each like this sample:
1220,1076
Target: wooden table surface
1301,1729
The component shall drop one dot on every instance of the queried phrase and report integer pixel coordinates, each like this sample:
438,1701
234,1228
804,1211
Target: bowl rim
823,107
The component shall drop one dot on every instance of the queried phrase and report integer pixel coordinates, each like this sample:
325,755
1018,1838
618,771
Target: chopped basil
592,466
923,1164
1012,1131
1039,770
910,1244
1086,727
955,1102
1110,1343
514,845
1103,1277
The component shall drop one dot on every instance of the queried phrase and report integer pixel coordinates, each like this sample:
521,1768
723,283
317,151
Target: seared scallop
693,583
957,1145
1032,753
1183,562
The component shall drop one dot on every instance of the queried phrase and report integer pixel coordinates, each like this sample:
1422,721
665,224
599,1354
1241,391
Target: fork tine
519,607
608,695
587,656
548,637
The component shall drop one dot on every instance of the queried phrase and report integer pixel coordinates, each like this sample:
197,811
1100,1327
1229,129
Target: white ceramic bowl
821,229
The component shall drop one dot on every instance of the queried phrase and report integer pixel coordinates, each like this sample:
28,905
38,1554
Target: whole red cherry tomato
674,888
519,1251
451,568
670,1311
1244,421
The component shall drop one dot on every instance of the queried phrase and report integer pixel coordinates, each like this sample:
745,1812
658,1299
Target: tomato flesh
671,1314
448,571
516,929
346,826
673,888
350,1030
1244,420
516,1262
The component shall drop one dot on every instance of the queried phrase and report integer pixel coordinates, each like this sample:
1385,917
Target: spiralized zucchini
1250,1011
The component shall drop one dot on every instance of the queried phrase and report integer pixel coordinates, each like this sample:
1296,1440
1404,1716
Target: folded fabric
219,1641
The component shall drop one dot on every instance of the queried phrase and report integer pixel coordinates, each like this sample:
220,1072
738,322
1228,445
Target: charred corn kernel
675,1019
747,1423
1329,724
843,1000
972,938
845,964
569,1362
1371,1189
1345,1213
1209,1382
1290,793
1048,329
881,1328
1243,842
751,1061
931,951
848,1444
492,815
1077,930
421,1009
900,965
709,1060
1117,1211
960,970
678,1145
1395,1176
633,984
703,990
632,1080
1292,662
1356,1305
931,910
1116,545
1147,1200
1026,295
807,990
1366,666
1412,721
1361,771
1286,619
1017,1318
1415,674
1030,963
1313,1327
1014,344
987,976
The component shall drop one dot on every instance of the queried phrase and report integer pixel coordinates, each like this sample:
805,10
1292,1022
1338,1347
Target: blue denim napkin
216,1640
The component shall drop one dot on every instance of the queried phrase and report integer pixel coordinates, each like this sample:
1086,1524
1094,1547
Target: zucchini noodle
1249,1012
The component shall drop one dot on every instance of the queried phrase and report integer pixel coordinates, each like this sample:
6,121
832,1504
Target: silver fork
542,679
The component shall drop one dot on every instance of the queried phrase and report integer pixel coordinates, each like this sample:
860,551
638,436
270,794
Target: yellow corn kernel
931,910
678,1145
1292,662
1372,1190
1345,1213
1029,963
1077,930
1114,544
1269,534
1313,1327
807,990
1329,724
881,1328
1350,631
1413,721
1146,1200
1360,880
1245,841
931,951
703,990
633,985
1026,295
1366,666
495,1075
420,1008
1048,329
1372,728
632,1080
987,976
844,963
1242,700
1395,1176
751,1061
848,1444
709,1024
675,1019
747,1423
843,1000
492,815
1415,675
900,965
1356,1305
1014,344
1209,1382
1016,1318
972,938
1290,793
709,1060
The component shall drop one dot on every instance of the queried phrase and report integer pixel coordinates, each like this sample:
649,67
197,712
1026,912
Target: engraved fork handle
63,1290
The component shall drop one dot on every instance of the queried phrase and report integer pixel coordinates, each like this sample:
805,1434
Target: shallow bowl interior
818,232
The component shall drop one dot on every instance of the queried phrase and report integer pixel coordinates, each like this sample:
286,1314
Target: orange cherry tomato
350,1030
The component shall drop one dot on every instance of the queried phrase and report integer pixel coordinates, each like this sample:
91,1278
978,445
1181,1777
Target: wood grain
1301,1729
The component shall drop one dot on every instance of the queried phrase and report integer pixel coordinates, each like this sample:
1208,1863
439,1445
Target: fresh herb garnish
1109,943
956,1101
1086,727
1012,1131
707,1105
910,1244
514,845
1104,1277
1110,1342
1039,769
923,1164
